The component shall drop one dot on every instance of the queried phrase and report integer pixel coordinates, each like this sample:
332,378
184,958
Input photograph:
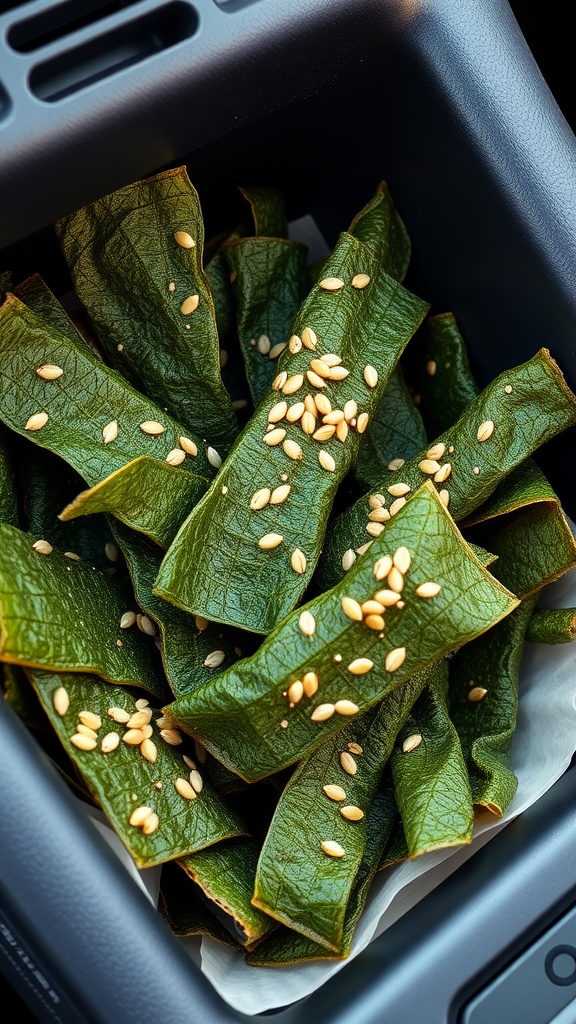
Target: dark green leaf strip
60,614
149,496
87,398
186,910
8,502
245,716
519,411
219,565
135,257
552,626
297,882
483,706
123,778
395,431
381,229
430,776
440,373
268,211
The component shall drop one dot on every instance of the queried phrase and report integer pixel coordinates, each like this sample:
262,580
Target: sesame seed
139,718
374,529
171,287
320,367
189,447
145,625
85,730
188,761
310,683
260,498
196,780
152,428
444,496
309,338
175,457
298,561
307,623
332,849
322,713
476,470
387,598
270,541
323,404
111,551
158,785
395,658
49,371
364,547
431,367
133,737
324,433
360,666
163,722
275,436
375,622
326,461
184,239
214,659
37,421
379,515
295,412
292,384
362,422
355,748
411,742
171,736
402,560
109,742
118,715
295,344
477,693
72,555
351,813
443,473
345,707
396,464
334,417
201,622
151,824
508,389
200,752
372,607
331,359
310,405
90,719
279,381
213,457
342,431
315,379
308,422
331,284
485,430
348,763
428,589
382,567
82,742
60,701
334,792
190,304
348,559
149,750
42,547
263,344
184,789
436,451
277,412
370,376
397,490
139,816
360,281
429,466
396,580
295,691
284,724
292,449
352,609
350,409
397,505
338,373
277,350
279,494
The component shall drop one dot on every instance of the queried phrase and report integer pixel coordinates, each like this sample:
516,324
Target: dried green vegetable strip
122,771
483,702
552,626
396,431
35,293
301,881
519,411
268,210
225,873
18,693
526,485
250,565
135,257
270,284
151,497
8,502
245,715
437,363
396,849
186,647
186,910
88,414
285,946
381,229
430,775
60,614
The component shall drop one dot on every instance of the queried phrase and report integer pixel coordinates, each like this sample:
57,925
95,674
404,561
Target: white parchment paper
543,745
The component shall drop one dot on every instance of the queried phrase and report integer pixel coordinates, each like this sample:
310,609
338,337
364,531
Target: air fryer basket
324,98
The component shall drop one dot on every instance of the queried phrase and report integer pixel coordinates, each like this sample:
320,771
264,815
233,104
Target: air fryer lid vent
58,21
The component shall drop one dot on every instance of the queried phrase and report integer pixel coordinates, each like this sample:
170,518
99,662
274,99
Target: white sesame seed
42,547
382,567
324,433
214,659
320,367
309,338
362,422
436,452
351,813
184,789
190,305
364,547
315,379
443,473
260,498
295,412
277,412
139,815
444,496
477,693
275,437
360,281
152,428
331,284
61,700
184,239
189,446
151,824
310,683
323,404
83,742
322,713
396,464
279,494
338,373
485,430
431,367
333,418
128,619
360,666
213,457
263,344
348,763
397,490
295,344
352,609
133,737
308,422
293,383
140,718
196,780
171,736
175,457
429,466
307,623
90,719
348,559
118,715
412,742
277,350
397,505
331,359
395,658
329,846
326,461
270,541
342,431
374,529
402,560
109,742
145,625
379,515
355,748
370,376
296,691
292,449
346,707
37,421
387,598
334,792
149,750
49,371
429,589
298,561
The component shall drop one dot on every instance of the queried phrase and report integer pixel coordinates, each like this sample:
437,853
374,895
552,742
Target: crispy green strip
381,229
85,399
62,615
18,693
539,406
185,647
552,626
149,496
244,716
268,210
441,375
396,849
186,910
296,881
431,781
8,502
124,779
395,431
37,296
226,874
216,567
269,287
486,725
134,279
285,946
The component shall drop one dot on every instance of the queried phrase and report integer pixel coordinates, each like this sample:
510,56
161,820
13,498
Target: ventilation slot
4,103
129,44
59,21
